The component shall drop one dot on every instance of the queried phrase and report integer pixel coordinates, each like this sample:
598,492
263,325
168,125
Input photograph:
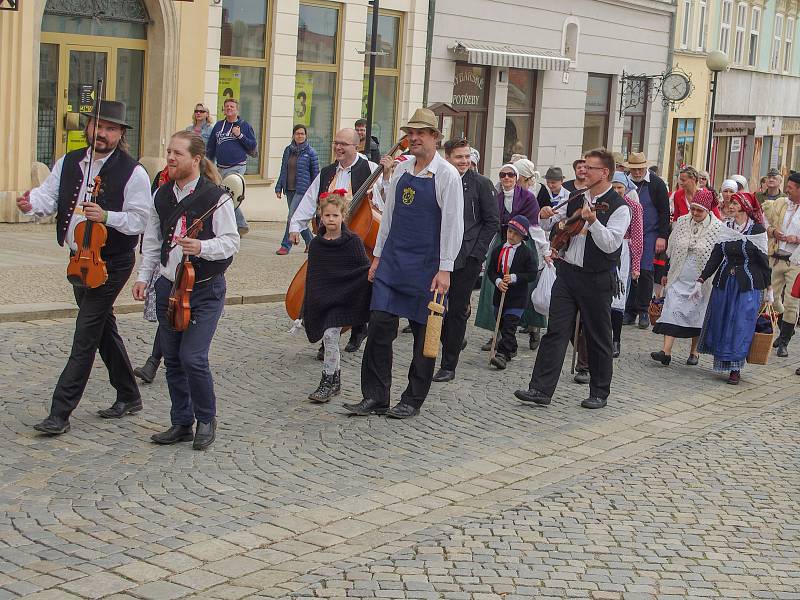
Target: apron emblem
408,195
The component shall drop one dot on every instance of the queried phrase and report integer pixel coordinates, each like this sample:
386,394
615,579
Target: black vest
115,173
359,173
594,259
205,196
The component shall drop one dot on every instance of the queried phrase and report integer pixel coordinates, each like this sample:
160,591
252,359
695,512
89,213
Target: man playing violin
176,208
123,204
586,282
349,172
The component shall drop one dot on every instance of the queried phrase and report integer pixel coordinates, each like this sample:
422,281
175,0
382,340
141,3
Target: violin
179,310
86,268
363,219
572,226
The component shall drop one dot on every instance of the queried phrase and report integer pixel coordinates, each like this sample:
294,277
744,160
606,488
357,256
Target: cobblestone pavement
682,487
33,266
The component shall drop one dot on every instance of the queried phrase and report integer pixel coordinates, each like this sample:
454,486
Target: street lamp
716,61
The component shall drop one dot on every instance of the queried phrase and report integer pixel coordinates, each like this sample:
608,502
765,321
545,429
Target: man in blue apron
654,198
418,242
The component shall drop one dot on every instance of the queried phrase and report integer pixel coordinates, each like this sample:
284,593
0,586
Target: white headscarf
729,184
512,167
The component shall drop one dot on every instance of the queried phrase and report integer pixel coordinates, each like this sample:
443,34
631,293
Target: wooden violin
574,225
362,219
86,268
179,310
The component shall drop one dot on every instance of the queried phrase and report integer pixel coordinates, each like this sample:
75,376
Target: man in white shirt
122,205
586,282
782,219
419,239
167,243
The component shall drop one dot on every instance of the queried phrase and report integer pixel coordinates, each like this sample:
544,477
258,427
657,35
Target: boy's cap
520,224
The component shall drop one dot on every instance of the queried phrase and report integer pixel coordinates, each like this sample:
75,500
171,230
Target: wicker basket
761,346
655,308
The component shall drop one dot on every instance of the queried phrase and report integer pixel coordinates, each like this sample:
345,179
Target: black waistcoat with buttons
594,259
114,175
359,173
205,195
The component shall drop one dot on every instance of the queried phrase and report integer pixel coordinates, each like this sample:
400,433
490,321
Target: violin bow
199,220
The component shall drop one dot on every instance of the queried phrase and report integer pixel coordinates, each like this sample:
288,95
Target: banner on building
230,86
9,4
303,96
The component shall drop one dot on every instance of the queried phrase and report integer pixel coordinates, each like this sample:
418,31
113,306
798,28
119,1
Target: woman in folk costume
337,290
741,272
631,258
689,248
689,181
512,200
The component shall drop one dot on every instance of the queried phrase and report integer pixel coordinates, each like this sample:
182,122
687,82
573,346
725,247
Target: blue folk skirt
729,325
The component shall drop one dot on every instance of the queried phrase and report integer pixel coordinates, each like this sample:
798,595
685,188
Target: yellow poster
75,140
230,80
303,94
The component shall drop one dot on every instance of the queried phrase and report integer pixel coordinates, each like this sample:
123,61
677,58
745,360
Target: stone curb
62,310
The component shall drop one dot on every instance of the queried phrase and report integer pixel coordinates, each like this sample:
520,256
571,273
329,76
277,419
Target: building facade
287,61
757,117
546,81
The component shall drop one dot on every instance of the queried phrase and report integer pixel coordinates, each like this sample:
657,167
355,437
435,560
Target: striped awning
510,56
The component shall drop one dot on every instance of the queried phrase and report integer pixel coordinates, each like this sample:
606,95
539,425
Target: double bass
362,219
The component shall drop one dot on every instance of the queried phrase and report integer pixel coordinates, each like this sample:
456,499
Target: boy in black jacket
511,268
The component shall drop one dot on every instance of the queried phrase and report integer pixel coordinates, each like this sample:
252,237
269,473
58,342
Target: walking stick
499,316
575,341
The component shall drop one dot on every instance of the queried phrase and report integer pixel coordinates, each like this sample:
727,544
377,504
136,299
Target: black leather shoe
499,361
664,359
355,341
488,345
593,402
402,410
367,407
444,375
533,341
53,426
534,396
147,372
693,360
615,349
321,352
582,377
174,435
644,321
205,435
464,344
119,409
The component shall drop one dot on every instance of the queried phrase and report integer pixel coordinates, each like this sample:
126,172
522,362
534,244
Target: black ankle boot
329,386
147,372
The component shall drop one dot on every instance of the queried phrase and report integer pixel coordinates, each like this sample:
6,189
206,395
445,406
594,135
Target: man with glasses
586,282
348,172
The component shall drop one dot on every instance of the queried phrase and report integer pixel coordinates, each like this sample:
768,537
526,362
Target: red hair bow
339,192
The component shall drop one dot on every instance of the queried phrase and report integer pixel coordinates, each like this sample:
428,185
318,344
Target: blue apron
410,256
650,218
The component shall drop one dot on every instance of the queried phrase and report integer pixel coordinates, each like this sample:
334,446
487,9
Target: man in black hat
123,205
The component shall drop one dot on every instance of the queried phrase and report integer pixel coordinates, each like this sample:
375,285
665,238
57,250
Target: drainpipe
665,118
428,50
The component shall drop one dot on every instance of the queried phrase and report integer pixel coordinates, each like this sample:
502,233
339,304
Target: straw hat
637,160
422,119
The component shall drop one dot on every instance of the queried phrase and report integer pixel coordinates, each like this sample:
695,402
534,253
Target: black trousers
376,366
454,327
96,330
640,294
507,344
590,293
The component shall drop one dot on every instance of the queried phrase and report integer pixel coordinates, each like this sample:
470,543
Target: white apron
678,308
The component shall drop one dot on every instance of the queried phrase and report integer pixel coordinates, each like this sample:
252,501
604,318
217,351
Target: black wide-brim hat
113,112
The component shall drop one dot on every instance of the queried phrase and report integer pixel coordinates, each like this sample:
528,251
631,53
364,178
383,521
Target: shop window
597,111
387,77
243,65
471,100
317,72
683,152
519,113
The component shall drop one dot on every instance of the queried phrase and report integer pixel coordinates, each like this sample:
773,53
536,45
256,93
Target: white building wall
615,35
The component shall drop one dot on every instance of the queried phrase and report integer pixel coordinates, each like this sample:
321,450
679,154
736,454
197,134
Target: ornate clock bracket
673,87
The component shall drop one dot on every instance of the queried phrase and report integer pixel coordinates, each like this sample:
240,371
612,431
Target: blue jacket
307,168
227,150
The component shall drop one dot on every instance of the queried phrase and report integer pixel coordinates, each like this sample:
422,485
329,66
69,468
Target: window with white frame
787,45
686,29
725,26
755,30
738,38
777,42
701,25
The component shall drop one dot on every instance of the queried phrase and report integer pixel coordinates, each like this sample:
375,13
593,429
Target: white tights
330,339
